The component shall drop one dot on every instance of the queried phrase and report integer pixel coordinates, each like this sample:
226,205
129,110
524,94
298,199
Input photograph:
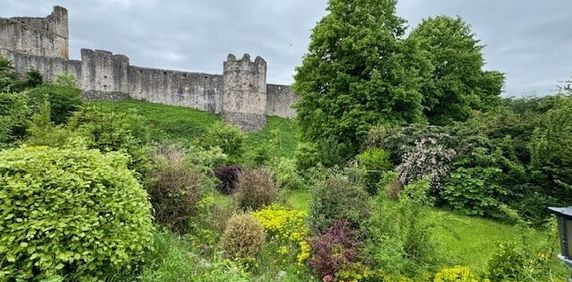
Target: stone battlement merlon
240,94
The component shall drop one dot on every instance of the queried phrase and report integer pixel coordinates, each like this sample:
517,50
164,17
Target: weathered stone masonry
240,94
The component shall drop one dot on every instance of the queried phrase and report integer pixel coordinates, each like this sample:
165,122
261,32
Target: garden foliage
335,253
287,176
338,196
375,162
399,241
111,131
428,160
228,177
243,238
455,274
256,189
287,231
229,138
66,213
63,101
174,190
14,113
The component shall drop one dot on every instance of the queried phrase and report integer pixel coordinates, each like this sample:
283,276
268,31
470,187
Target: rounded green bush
70,213
243,237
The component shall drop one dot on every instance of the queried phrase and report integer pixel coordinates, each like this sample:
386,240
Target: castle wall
240,94
47,66
279,99
194,90
47,37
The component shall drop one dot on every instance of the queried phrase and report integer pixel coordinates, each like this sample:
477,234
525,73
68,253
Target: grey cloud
529,40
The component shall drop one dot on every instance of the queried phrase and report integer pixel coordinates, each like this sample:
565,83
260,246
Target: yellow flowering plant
287,230
455,274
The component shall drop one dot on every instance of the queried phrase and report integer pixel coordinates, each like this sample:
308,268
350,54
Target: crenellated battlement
240,94
244,92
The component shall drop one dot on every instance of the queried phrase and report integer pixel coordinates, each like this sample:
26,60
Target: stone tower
48,37
244,92
104,75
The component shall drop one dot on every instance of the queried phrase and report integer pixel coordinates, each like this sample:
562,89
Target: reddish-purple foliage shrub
228,177
334,250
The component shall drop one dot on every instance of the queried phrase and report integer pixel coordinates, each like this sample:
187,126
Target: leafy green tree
358,72
14,113
33,79
8,77
551,162
64,101
458,83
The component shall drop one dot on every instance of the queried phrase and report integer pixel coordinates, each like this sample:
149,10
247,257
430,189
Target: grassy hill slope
186,125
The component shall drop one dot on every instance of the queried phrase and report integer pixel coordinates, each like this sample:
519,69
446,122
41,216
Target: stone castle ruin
240,94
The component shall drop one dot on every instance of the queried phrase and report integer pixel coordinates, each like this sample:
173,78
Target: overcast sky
529,40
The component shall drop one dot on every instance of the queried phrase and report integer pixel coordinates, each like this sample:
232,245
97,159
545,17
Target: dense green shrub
376,162
287,176
476,191
259,155
399,233
8,77
14,112
69,213
174,190
206,159
33,79
335,253
256,189
42,131
107,130
228,177
337,196
306,156
482,180
551,152
63,101
243,238
229,138
335,153
506,128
